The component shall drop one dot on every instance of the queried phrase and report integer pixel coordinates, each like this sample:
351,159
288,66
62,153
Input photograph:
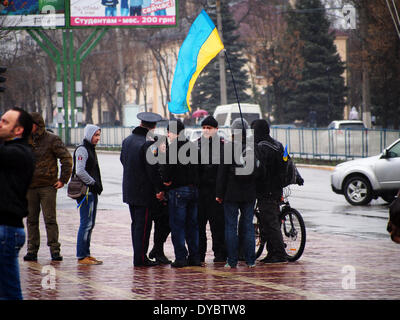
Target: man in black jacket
236,188
180,175
211,147
141,182
16,171
269,190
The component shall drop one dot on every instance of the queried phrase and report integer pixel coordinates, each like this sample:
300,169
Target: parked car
362,180
346,124
365,179
225,114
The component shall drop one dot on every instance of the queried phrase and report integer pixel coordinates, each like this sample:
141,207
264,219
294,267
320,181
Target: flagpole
234,86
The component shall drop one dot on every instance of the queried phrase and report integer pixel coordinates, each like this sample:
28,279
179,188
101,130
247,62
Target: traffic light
2,79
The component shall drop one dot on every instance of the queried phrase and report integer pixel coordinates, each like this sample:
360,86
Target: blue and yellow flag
285,154
201,45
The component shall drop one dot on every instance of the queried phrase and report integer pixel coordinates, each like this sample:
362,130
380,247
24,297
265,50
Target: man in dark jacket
269,190
236,188
211,147
16,171
48,148
141,182
179,173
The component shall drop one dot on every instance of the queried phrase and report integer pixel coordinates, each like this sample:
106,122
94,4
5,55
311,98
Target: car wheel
358,191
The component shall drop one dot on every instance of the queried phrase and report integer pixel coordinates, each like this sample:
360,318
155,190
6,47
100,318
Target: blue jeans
111,11
124,12
231,231
11,241
182,205
87,212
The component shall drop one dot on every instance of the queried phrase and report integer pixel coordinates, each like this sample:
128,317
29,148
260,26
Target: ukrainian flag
286,154
201,45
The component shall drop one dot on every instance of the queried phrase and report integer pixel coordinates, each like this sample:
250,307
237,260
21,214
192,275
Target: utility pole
122,96
366,97
221,57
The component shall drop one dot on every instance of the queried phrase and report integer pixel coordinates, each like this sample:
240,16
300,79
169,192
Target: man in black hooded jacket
269,190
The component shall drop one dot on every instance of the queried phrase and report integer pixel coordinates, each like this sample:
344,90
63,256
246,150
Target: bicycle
292,227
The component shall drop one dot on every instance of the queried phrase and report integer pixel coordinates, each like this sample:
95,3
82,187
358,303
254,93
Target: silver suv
362,180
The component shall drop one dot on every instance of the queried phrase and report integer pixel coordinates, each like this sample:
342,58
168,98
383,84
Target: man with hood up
88,170
269,190
48,149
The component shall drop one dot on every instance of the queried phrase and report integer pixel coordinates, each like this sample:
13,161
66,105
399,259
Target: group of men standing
182,196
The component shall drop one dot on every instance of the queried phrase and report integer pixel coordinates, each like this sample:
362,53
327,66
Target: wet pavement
333,267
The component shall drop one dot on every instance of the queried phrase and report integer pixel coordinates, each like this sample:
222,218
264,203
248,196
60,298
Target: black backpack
285,167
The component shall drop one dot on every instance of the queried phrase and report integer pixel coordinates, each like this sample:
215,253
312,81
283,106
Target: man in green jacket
48,149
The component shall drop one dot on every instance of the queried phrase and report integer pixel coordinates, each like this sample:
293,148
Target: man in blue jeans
16,171
236,188
88,170
180,175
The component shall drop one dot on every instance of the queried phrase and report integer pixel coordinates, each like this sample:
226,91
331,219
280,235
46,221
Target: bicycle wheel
293,233
260,241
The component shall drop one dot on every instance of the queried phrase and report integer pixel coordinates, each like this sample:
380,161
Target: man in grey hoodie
88,170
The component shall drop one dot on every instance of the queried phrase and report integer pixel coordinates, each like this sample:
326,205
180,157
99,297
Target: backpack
286,168
288,173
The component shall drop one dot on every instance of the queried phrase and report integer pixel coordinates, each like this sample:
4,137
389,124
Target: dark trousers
271,226
160,217
135,11
140,232
213,212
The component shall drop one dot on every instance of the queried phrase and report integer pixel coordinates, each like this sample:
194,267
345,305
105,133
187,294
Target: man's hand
58,184
167,183
160,195
219,200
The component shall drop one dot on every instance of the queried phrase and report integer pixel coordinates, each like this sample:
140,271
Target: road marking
259,282
266,284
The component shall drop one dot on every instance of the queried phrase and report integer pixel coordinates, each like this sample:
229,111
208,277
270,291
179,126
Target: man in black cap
141,182
180,175
211,147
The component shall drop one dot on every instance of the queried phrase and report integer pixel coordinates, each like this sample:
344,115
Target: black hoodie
268,181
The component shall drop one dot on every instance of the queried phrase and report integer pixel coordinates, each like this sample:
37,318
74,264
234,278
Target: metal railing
302,142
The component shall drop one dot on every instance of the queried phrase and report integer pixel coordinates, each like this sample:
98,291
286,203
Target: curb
315,166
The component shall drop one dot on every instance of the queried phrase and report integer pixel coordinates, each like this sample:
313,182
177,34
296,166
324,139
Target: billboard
122,13
50,14
32,13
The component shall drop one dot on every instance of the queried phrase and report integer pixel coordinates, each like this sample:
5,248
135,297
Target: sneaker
147,263
30,257
56,257
274,260
159,256
227,265
89,261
